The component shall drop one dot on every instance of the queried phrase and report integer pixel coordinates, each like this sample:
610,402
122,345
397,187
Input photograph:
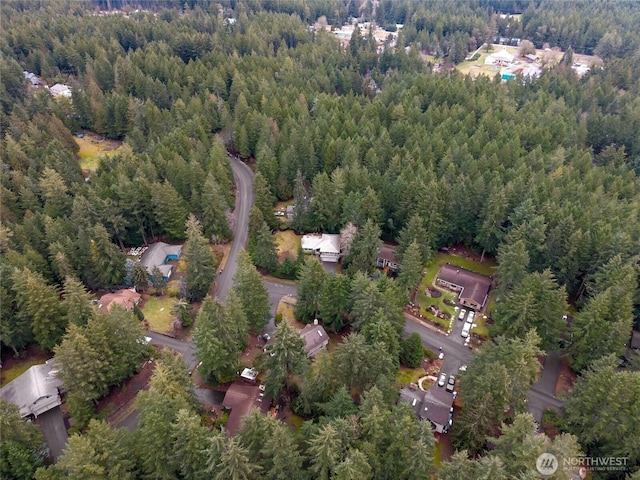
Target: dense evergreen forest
540,173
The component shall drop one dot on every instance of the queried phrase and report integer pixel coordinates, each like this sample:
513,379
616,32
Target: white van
465,330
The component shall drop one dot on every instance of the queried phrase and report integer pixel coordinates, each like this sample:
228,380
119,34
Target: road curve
244,200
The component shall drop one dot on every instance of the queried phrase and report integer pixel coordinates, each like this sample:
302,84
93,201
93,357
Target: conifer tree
200,260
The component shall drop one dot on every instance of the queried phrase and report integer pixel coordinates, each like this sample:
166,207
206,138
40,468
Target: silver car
442,380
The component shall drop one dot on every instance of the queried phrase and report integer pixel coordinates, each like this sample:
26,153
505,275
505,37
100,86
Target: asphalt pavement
244,200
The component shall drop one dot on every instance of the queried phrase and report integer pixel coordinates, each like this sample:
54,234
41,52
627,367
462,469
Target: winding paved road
456,354
244,200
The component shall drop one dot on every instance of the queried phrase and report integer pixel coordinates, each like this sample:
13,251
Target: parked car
451,383
470,317
465,330
462,313
266,337
442,380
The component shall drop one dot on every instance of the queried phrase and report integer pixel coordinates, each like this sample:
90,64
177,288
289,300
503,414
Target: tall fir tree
200,260
252,293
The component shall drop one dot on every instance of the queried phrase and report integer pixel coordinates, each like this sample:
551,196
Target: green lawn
405,376
90,153
8,374
157,311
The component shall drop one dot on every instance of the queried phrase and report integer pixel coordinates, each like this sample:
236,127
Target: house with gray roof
434,405
315,338
34,392
158,255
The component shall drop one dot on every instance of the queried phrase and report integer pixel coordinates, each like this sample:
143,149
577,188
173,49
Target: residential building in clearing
326,246
157,255
126,298
387,258
315,338
472,288
499,58
60,90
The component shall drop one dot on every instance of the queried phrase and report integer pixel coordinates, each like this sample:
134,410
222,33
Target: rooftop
388,253
325,243
314,336
156,256
474,285
241,399
35,391
126,298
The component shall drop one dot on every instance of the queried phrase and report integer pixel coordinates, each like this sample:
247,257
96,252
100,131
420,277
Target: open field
92,147
288,244
157,311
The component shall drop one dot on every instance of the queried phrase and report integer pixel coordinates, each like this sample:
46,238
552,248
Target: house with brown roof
240,399
387,258
472,288
126,298
315,338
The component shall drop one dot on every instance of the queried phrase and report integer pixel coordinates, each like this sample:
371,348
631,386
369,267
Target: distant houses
60,90
502,58
33,80
158,255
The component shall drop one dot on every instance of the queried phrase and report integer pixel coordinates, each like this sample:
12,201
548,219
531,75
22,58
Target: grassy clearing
90,153
288,244
286,307
157,311
9,374
405,376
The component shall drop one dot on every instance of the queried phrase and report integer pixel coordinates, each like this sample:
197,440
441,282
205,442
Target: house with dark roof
158,255
387,258
472,288
126,298
315,338
434,405
240,399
